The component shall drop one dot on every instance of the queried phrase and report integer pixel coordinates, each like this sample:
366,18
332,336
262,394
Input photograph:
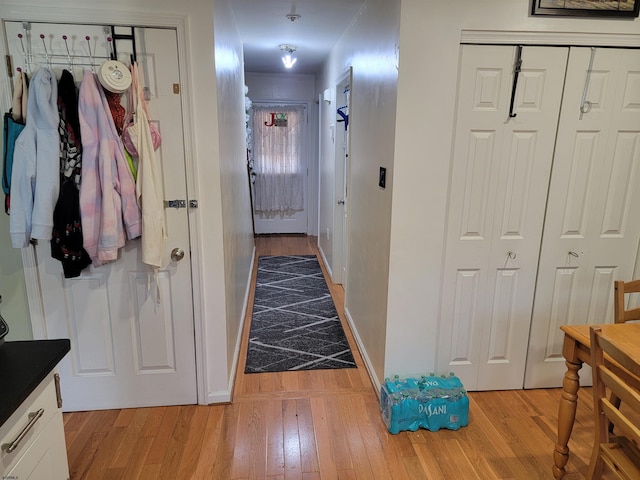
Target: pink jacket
108,205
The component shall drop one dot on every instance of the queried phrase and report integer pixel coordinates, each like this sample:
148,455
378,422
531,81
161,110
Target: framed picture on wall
586,8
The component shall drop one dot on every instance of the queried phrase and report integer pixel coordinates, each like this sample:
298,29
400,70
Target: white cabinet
32,439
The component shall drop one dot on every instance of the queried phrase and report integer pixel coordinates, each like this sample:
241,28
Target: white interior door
501,167
127,350
294,221
343,95
592,226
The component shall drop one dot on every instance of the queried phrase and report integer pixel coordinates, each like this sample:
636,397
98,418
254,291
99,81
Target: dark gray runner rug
295,325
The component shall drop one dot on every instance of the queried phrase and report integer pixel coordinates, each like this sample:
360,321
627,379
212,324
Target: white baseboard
220,396
326,263
363,353
223,396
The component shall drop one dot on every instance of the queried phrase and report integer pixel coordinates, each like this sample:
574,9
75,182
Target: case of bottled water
429,402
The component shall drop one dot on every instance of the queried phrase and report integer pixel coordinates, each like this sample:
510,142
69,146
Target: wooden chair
620,289
620,452
621,315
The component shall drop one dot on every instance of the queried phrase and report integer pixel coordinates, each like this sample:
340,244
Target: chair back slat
620,289
621,452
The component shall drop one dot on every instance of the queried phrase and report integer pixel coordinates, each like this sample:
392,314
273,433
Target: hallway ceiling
264,26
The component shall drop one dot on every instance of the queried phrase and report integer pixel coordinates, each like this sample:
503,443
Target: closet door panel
591,228
496,208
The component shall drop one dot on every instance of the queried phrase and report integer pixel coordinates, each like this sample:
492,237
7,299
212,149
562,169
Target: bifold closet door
500,175
592,225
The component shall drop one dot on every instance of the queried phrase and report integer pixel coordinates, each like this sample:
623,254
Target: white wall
369,45
280,86
429,51
221,244
234,185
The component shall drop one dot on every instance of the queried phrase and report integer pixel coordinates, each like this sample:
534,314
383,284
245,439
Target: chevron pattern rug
295,325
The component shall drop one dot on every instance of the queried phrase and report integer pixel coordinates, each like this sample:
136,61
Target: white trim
236,354
222,396
123,17
363,353
549,38
327,266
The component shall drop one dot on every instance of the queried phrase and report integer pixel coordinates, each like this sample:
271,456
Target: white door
343,95
281,221
592,226
501,167
127,350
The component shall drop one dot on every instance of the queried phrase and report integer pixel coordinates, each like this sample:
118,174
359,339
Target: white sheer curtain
277,155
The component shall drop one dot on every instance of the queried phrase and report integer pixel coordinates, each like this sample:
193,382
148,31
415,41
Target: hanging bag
11,130
131,129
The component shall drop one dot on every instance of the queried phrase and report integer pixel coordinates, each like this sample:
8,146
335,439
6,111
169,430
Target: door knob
177,254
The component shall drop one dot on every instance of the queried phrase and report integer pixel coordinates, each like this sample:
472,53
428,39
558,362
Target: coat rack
50,58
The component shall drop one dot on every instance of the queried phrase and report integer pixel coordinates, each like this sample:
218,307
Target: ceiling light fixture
293,16
288,59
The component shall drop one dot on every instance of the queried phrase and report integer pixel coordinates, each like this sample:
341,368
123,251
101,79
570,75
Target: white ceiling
264,26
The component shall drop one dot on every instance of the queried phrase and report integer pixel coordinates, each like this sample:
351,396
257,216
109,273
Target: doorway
281,152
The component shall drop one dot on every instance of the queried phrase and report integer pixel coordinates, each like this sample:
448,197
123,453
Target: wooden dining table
576,350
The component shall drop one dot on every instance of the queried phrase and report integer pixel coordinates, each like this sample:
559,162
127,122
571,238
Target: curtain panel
278,134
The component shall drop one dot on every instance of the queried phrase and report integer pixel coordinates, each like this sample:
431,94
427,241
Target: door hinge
176,88
56,379
7,59
193,203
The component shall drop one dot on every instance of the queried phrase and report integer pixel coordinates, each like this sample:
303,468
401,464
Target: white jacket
35,179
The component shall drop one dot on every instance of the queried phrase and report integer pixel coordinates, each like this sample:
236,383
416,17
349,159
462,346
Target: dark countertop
23,365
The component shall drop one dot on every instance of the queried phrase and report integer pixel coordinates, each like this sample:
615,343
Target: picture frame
586,8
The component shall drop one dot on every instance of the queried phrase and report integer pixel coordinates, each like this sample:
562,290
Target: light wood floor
321,425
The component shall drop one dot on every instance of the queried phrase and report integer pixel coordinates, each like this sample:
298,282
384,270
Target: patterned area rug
295,325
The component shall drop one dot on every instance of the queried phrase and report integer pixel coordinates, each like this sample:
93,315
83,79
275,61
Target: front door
129,347
280,152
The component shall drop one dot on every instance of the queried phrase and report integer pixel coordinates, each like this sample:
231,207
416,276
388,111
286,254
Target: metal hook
574,254
88,38
20,36
512,255
64,37
46,52
585,105
110,46
24,54
517,68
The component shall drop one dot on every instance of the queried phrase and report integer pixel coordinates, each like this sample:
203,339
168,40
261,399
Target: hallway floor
322,424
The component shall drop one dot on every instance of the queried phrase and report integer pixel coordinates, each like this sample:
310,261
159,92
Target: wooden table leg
566,417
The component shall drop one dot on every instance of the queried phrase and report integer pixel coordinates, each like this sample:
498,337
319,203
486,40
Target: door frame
179,23
341,188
